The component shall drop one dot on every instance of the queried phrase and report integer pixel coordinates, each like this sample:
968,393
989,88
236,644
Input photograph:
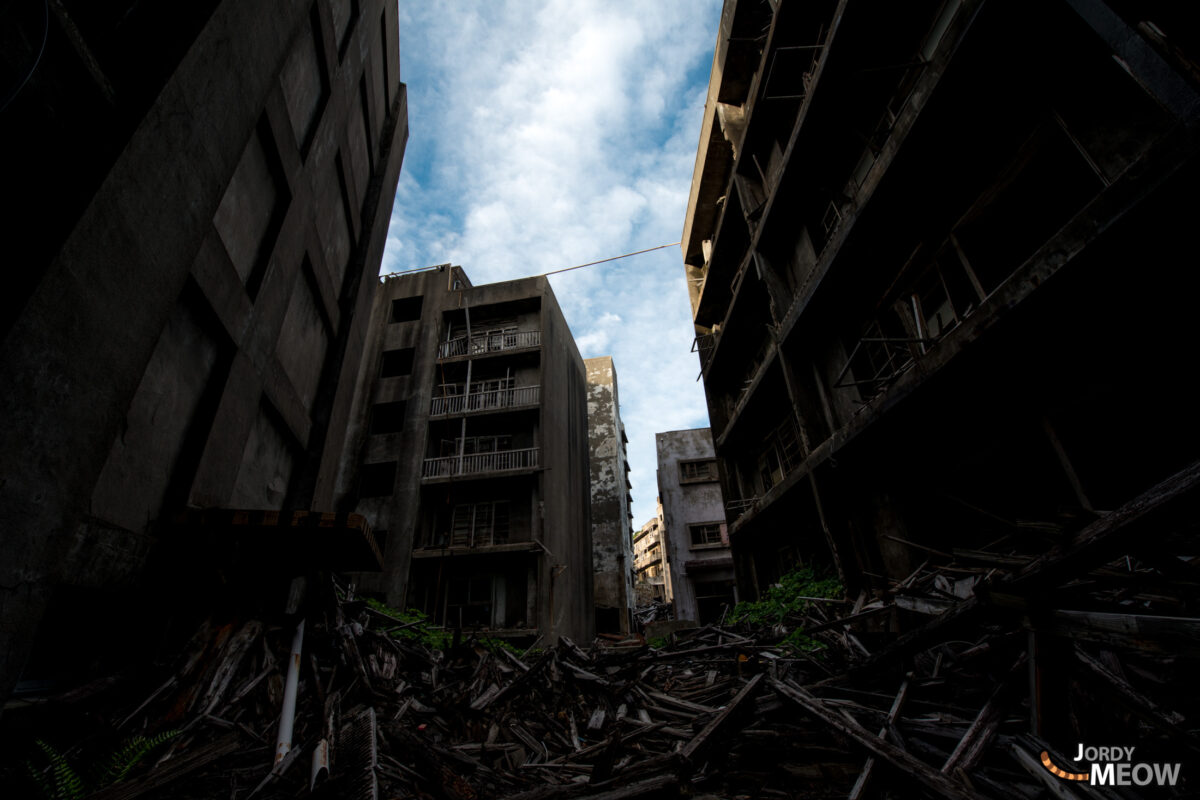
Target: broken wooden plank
864,777
902,761
702,739
969,750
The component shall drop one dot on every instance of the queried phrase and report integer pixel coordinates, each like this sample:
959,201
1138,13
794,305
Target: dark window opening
397,363
377,480
707,533
407,309
388,417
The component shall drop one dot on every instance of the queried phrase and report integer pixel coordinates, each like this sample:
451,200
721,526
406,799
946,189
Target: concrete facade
180,332
612,516
468,452
944,330
652,564
693,524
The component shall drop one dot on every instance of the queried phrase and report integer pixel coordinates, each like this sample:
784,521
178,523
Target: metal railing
484,401
735,508
476,463
489,343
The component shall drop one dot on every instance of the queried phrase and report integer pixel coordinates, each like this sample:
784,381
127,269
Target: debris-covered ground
929,688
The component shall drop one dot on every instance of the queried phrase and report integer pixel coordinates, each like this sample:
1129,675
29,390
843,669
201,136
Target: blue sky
549,133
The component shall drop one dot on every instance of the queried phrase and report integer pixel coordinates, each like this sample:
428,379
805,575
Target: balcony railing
476,463
485,401
489,343
736,508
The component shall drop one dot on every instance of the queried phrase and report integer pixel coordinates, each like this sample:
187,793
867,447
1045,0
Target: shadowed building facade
935,255
468,452
206,194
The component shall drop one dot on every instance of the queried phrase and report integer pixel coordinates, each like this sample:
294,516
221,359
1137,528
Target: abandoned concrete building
468,452
651,565
936,257
205,194
612,515
695,536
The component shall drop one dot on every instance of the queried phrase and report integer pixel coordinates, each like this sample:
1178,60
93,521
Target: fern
58,780
67,783
129,755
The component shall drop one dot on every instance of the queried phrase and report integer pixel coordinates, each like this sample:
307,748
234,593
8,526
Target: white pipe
287,716
320,764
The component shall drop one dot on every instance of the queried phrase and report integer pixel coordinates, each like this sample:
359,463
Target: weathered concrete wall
612,553
548,504
169,357
686,503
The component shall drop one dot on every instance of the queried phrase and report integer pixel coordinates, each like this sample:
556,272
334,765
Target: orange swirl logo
1062,773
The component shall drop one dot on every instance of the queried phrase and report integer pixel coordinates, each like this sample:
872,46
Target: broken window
705,534
469,601
479,524
397,363
377,480
407,309
387,417
697,471
780,454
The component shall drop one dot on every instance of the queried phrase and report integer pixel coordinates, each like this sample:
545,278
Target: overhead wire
551,272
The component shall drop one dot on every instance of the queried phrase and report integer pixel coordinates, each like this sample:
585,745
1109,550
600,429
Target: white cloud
547,135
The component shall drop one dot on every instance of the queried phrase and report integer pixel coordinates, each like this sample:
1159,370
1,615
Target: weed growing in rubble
59,780
786,598
415,626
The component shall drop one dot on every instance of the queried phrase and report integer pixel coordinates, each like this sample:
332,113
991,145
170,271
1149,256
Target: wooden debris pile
964,679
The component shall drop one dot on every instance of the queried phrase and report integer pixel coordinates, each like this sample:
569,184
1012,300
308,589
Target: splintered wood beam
1092,545
918,770
917,639
864,777
1151,634
1136,702
701,740
970,748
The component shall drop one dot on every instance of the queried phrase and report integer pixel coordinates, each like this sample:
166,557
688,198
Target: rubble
931,687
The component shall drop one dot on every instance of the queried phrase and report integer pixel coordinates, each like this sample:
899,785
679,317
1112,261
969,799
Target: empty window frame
469,601
388,417
699,470
479,524
377,480
397,363
705,534
407,309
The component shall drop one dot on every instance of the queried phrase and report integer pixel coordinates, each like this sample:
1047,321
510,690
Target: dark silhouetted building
202,198
468,452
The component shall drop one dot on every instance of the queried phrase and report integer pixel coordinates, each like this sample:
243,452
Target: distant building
612,516
468,451
937,289
201,198
652,575
693,521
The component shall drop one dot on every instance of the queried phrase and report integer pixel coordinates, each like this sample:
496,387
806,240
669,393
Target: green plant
787,598
59,780
657,642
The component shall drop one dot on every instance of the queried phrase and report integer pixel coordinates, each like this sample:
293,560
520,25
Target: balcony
515,397
736,508
490,342
480,463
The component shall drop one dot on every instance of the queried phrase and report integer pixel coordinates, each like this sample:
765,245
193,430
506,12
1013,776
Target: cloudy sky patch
549,134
